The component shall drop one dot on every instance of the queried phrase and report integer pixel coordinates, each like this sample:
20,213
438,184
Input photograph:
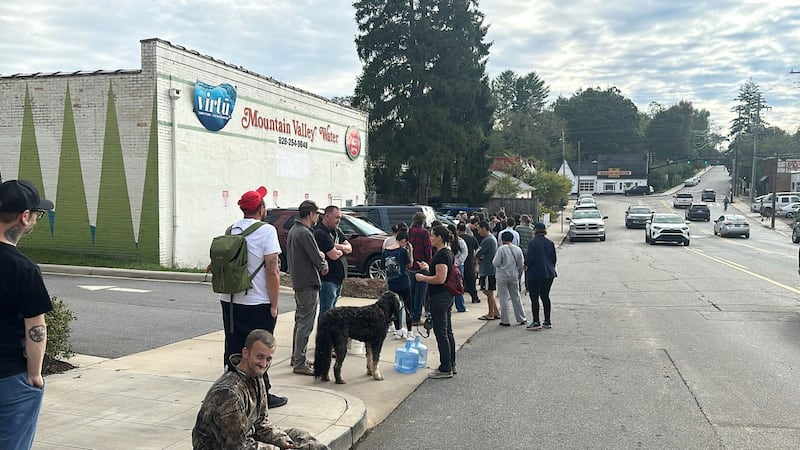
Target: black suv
698,211
640,190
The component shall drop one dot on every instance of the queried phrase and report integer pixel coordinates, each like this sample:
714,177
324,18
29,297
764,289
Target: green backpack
229,262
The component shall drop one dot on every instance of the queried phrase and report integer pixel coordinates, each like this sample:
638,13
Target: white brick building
135,174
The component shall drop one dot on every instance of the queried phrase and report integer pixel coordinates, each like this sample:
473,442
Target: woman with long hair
440,301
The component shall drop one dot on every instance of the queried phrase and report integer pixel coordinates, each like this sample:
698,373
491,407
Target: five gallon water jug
406,359
423,351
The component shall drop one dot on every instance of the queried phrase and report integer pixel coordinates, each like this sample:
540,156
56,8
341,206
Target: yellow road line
743,269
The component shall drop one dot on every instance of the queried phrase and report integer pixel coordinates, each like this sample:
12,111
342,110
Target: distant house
608,174
525,189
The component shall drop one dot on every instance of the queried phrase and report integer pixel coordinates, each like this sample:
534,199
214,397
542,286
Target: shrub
58,329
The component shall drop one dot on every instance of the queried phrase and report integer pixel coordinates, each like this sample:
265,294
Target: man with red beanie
256,307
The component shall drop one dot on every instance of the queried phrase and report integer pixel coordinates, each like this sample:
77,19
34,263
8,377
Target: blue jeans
329,292
418,291
19,410
459,299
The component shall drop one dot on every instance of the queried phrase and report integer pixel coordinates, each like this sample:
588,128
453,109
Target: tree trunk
447,185
422,194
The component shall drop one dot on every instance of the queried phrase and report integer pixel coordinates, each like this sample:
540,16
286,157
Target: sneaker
305,369
505,324
522,322
391,328
465,310
402,333
273,401
535,326
453,369
547,324
437,375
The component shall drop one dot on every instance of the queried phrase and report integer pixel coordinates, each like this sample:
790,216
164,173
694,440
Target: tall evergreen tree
748,110
424,84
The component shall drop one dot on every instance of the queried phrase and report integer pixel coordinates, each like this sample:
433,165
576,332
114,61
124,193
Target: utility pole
579,168
756,125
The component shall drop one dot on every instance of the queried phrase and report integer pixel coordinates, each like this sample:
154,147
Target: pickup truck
682,200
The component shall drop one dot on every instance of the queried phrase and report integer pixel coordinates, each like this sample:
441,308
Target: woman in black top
441,301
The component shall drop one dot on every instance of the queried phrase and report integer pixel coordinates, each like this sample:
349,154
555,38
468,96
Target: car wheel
374,269
686,243
627,225
646,238
652,241
747,236
602,238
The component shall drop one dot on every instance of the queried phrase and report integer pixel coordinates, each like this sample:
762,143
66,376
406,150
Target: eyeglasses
39,213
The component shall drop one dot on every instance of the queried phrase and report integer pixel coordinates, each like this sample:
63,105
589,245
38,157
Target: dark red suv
365,238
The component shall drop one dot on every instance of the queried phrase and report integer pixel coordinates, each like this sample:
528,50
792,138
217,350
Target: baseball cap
251,200
17,196
539,226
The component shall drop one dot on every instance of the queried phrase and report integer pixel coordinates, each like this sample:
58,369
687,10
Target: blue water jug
423,351
406,359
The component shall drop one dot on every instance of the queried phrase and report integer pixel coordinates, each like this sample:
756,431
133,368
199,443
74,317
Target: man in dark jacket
306,262
540,271
469,262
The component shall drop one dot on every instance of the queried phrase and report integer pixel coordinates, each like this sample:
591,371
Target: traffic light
688,161
705,161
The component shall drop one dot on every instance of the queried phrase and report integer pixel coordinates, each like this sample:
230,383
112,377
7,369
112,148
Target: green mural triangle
114,227
71,229
30,169
148,222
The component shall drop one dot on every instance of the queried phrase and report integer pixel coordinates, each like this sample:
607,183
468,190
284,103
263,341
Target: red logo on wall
352,143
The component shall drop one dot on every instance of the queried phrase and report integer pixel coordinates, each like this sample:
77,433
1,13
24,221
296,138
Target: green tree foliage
748,110
603,121
506,187
58,330
550,187
523,127
424,85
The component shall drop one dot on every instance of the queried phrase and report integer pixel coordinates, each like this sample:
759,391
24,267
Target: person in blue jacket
540,271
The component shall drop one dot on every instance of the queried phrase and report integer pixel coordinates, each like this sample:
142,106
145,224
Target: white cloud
651,50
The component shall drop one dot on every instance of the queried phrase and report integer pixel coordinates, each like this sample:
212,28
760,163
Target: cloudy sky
653,51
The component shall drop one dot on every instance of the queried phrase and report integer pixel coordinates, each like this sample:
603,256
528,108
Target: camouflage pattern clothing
234,416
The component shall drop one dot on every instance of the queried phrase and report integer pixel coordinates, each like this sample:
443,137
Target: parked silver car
732,225
587,223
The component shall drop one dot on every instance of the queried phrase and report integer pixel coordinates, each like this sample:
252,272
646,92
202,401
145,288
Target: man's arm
345,246
35,345
272,269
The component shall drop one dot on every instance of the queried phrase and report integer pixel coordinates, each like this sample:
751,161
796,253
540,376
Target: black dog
367,324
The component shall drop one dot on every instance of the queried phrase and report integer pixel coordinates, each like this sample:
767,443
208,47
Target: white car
788,211
586,203
666,227
587,223
691,182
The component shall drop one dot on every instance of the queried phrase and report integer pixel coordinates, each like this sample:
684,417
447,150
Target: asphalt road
652,347
122,316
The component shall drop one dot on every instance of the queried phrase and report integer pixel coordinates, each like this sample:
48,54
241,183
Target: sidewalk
149,400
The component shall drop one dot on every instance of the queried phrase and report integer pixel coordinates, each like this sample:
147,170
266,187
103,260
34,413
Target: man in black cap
23,303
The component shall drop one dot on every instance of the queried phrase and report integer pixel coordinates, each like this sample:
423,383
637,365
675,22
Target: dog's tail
322,354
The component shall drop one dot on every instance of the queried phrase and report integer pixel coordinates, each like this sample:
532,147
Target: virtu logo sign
213,105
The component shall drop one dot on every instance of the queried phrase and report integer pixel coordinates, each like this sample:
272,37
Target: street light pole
753,172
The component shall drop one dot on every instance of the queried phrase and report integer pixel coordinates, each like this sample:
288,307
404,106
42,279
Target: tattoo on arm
271,263
37,333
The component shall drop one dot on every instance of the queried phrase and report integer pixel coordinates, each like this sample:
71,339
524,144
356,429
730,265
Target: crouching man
234,412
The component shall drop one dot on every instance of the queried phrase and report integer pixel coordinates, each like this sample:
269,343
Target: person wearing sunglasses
24,301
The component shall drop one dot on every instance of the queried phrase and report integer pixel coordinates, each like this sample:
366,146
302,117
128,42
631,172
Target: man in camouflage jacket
234,411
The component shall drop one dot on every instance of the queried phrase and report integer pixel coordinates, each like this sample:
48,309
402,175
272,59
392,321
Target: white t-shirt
261,242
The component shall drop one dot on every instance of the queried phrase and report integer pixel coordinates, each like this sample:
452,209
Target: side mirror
568,219
605,217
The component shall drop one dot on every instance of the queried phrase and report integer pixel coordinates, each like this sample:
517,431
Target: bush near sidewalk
59,346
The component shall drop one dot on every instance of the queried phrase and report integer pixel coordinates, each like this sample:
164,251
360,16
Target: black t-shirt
22,295
444,256
326,239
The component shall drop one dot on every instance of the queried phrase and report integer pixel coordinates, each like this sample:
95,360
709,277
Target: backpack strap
247,231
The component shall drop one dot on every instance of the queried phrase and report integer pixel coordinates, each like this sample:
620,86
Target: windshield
667,218
353,225
735,219
586,215
640,210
